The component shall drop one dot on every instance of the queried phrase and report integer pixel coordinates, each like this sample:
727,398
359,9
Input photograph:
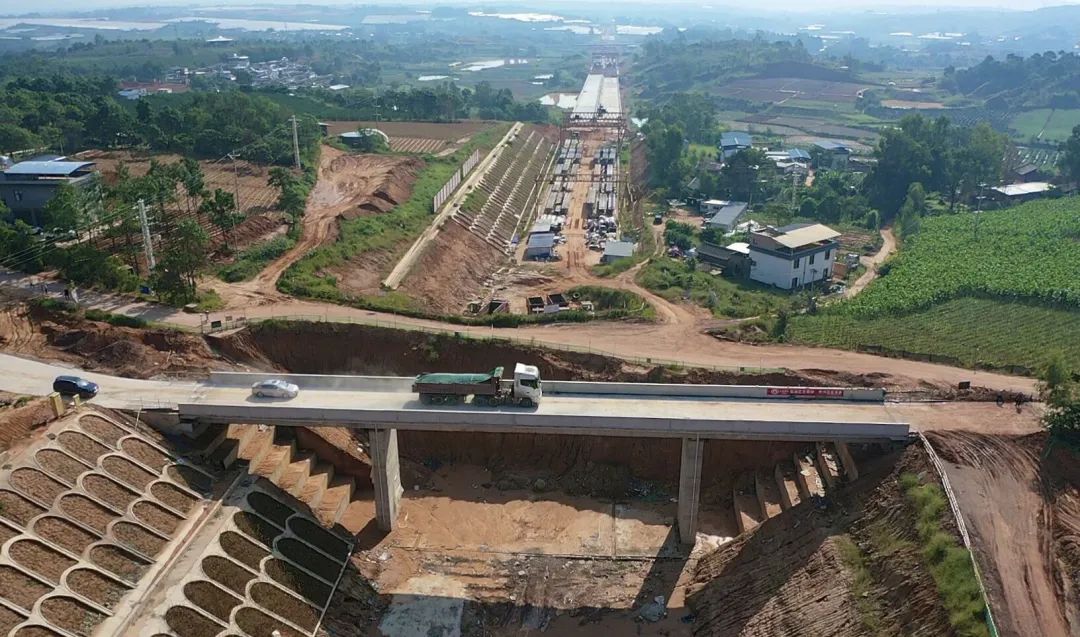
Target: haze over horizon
19,7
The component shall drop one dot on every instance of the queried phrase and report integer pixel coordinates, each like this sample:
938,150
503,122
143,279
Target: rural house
27,186
725,216
832,155
793,256
734,141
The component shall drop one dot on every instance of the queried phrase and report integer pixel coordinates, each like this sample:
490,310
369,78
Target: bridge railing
231,323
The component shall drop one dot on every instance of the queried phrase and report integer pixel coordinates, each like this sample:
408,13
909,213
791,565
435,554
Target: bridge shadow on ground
451,594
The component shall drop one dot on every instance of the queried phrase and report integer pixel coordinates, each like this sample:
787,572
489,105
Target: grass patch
608,299
388,232
1058,124
90,314
950,563
251,261
208,301
862,584
975,332
672,280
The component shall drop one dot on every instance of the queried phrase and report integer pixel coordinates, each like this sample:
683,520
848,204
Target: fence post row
959,517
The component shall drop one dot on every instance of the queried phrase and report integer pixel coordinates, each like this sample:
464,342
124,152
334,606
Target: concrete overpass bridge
382,405
693,413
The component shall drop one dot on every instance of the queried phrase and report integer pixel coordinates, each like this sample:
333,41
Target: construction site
650,479
129,523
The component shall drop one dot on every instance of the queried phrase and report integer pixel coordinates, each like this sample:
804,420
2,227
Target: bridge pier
385,475
689,488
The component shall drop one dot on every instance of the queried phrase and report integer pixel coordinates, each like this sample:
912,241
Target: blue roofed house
27,186
833,155
734,141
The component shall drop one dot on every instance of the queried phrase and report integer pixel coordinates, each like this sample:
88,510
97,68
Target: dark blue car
75,386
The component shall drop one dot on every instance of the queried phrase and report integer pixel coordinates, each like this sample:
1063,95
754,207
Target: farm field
1044,158
1045,124
1026,252
971,330
256,198
813,125
987,299
779,90
417,137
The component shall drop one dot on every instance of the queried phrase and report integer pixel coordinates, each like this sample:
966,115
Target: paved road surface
560,413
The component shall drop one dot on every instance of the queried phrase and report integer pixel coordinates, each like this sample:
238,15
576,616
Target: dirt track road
888,247
996,481
661,342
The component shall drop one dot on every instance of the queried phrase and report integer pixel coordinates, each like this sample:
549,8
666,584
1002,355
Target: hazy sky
17,7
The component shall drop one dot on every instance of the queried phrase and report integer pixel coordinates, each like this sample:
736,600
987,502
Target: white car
274,388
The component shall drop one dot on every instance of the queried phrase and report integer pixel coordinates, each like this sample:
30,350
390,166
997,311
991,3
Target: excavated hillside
793,575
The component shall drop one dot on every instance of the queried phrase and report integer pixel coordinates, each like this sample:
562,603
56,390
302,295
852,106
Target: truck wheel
480,401
526,402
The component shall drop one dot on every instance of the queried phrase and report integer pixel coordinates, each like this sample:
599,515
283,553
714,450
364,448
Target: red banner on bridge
805,392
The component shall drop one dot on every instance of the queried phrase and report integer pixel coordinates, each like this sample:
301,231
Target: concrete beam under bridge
689,488
385,475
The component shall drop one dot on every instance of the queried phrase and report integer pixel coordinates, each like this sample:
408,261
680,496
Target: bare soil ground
138,538
20,589
60,465
1020,499
94,586
127,472
17,509
185,621
788,578
86,511
242,550
64,534
226,573
21,418
454,270
71,615
38,558
93,345
348,186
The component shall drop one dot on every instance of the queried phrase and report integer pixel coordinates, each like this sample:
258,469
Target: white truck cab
527,384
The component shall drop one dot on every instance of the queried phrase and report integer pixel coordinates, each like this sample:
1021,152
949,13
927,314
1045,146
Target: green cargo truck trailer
489,389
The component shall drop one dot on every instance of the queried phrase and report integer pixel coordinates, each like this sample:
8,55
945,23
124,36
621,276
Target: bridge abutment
386,476
689,488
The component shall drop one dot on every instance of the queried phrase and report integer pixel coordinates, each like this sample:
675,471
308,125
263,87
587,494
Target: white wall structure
793,257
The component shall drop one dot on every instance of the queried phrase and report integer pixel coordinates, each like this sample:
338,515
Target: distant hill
1050,80
665,67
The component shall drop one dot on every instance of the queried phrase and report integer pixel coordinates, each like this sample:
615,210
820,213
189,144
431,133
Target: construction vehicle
489,389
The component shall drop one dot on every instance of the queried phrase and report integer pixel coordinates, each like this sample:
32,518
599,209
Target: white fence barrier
452,184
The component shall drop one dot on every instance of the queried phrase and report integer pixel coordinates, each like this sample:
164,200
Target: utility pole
148,245
295,143
236,182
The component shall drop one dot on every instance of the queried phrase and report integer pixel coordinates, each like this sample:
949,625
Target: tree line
921,165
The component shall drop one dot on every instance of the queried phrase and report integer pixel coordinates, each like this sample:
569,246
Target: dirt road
348,186
888,247
996,481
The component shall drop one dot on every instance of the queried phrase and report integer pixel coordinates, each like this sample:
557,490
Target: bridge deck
387,402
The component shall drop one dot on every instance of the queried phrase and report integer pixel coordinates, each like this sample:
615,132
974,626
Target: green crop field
1010,296
971,330
1045,124
1029,252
